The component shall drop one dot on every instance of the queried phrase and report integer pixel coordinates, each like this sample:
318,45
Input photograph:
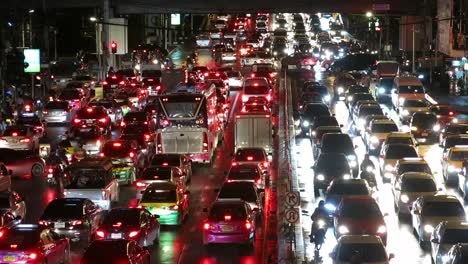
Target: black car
115,251
309,112
322,121
341,143
425,126
329,166
383,88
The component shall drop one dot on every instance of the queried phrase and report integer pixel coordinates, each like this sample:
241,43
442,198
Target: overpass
226,6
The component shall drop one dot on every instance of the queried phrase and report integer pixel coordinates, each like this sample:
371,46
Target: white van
407,87
254,130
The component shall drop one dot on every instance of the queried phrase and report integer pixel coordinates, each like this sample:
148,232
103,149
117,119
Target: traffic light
114,47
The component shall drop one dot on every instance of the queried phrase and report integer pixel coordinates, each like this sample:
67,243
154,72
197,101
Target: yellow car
377,132
167,200
452,163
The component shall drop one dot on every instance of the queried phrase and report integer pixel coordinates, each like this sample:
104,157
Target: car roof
358,239
399,134
457,136
228,201
440,198
358,198
348,181
382,121
459,148
455,224
399,145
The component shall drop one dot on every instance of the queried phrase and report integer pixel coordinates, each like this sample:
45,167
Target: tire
37,170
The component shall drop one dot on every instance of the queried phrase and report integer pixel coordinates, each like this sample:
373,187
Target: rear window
418,185
400,140
337,143
63,209
56,105
365,111
252,82
459,155
250,155
408,167
159,196
235,191
349,189
23,239
15,132
441,110
446,209
135,129
116,149
233,74
410,89
457,129
135,116
453,141
361,210
256,89
400,151
170,160
160,174
127,217
94,112
384,128
454,236
414,103
220,211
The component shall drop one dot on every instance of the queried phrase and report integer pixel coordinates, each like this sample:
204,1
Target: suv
341,143
93,116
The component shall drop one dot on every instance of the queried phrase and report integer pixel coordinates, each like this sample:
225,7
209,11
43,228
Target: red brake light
76,222
249,158
101,154
248,225
122,123
266,164
76,120
89,109
118,224
25,140
43,223
1,233
117,144
121,82
158,87
451,113
147,137
32,255
252,75
259,181
50,170
165,164
100,234
175,207
133,84
268,97
234,164
45,112
103,120
206,226
140,184
131,154
227,217
133,234
14,134
14,246
104,82
114,77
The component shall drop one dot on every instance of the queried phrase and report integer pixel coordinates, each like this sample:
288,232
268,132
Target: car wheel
37,170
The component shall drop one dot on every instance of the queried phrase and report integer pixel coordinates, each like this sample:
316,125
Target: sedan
115,251
33,244
368,249
408,187
57,112
130,223
22,163
113,110
446,235
20,138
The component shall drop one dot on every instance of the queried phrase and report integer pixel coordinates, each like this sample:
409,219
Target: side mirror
10,172
435,240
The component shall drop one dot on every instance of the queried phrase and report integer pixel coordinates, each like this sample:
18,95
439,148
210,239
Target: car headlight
275,53
305,123
313,133
420,76
330,207
404,198
455,120
340,90
436,128
405,112
374,140
320,177
347,176
381,90
327,98
285,50
401,100
452,168
382,229
352,163
322,57
351,157
350,98
343,230
413,128
370,169
297,122
389,167
428,228
445,259
321,223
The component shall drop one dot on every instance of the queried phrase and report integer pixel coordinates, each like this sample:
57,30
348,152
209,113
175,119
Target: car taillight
100,234
133,234
451,113
244,98
174,207
268,97
76,100
249,158
32,256
252,75
131,154
147,137
140,184
43,223
76,222
266,164
158,143
27,107
259,181
234,163
50,170
45,112
104,83
25,140
122,82
103,120
101,154
206,226
205,142
248,225
76,120
158,87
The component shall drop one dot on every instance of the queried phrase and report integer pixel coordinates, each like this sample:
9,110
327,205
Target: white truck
254,130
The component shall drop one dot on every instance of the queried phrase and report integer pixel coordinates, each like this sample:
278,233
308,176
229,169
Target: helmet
321,203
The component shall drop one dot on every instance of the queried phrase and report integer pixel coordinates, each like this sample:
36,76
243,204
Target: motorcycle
55,168
368,174
319,229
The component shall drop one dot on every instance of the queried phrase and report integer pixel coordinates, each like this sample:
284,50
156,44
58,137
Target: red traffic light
114,47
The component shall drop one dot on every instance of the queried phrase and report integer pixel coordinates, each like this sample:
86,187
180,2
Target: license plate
59,225
89,121
113,85
227,228
13,141
116,236
424,134
9,258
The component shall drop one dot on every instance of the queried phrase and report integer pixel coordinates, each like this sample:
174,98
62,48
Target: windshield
400,151
56,105
15,132
446,209
348,189
151,73
454,236
219,211
250,155
233,191
160,174
453,141
69,95
425,121
64,209
361,210
159,196
410,89
181,106
365,111
384,128
408,167
87,179
316,110
386,82
459,155
414,103
337,143
128,216
418,185
364,253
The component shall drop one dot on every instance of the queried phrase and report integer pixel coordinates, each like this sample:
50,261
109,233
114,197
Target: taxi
452,163
428,211
390,155
410,106
159,174
408,187
377,132
411,165
400,138
167,200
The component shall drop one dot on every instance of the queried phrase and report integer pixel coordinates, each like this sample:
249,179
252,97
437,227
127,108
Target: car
73,97
424,127
390,155
12,202
32,121
445,114
309,112
329,166
318,134
133,223
112,83
452,163
352,90
458,254
428,211
159,174
90,138
340,188
235,79
43,245
142,135
127,159
247,172
230,221
377,132
203,41
252,156
355,109
57,112
364,111
400,138
406,87
366,248
322,121
113,110
96,115
408,107
341,143
228,55
167,200
22,164
256,87
247,191
452,141
411,165
408,187
445,235
359,215
180,161
75,218
453,129
20,138
115,251
357,97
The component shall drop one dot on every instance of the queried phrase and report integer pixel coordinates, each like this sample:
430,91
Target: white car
365,248
410,106
235,79
20,138
203,41
228,55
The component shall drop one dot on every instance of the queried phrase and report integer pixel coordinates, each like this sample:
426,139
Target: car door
151,226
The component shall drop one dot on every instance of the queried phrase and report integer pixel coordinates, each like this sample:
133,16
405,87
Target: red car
358,215
115,251
33,244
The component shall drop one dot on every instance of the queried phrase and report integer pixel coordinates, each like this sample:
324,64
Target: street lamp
31,11
98,43
369,14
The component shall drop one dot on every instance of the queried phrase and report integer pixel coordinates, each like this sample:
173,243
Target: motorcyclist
62,154
367,170
319,213
80,152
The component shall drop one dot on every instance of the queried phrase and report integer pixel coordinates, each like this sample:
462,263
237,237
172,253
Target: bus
188,123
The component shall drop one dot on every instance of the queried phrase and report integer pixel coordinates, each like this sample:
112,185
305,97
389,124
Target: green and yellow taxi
167,200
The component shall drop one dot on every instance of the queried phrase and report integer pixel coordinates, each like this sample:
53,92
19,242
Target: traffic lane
184,244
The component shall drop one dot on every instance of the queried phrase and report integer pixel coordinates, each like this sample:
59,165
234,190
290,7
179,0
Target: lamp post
98,46
31,12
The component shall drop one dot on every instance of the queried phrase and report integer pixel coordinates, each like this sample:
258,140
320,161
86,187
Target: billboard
32,58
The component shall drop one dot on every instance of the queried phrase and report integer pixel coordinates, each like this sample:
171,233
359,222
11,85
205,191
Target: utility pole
414,51
105,34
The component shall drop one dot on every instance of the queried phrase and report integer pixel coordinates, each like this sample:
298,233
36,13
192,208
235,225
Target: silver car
90,137
20,138
57,112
